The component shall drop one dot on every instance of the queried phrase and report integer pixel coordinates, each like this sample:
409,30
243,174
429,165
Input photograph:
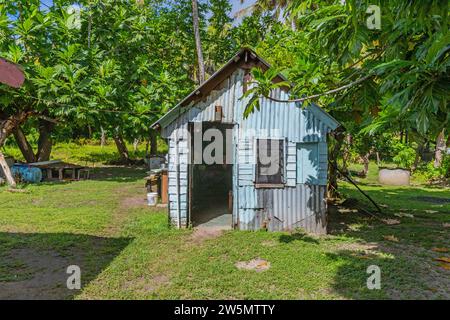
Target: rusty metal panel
11,74
289,208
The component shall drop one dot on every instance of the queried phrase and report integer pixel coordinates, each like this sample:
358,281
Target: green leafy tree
45,44
398,74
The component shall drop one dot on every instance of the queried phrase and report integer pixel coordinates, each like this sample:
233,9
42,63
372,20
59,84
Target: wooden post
7,171
164,187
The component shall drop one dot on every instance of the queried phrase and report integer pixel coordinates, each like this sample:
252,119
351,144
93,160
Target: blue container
27,173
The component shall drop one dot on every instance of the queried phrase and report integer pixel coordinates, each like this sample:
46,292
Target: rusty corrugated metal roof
11,74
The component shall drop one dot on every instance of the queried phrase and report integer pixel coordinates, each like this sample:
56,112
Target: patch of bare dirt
201,234
257,265
47,280
126,204
133,202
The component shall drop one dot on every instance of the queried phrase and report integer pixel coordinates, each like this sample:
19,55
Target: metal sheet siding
303,206
294,206
225,96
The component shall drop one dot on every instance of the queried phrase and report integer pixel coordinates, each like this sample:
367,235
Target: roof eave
235,59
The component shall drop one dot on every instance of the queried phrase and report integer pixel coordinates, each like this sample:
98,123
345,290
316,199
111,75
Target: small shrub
443,172
405,157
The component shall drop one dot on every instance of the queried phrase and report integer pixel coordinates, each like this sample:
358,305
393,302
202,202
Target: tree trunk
332,187
102,137
198,42
365,170
7,126
440,148
7,171
419,151
346,152
378,159
45,142
122,148
135,145
153,143
24,145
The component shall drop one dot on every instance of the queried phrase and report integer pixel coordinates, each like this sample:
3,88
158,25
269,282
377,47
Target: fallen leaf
391,221
440,249
446,266
402,215
443,259
391,238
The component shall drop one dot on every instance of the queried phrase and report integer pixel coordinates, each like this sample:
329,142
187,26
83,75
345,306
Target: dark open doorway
211,184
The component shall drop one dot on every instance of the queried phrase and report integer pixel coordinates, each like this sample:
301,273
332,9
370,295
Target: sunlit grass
128,251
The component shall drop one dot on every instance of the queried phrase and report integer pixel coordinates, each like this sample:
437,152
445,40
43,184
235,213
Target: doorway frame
234,171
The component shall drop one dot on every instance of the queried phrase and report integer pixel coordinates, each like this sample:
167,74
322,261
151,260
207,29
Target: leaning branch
55,121
359,189
351,84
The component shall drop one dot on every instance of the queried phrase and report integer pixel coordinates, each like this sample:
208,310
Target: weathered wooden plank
7,171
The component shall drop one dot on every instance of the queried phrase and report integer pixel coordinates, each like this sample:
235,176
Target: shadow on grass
297,236
119,173
405,198
34,265
402,251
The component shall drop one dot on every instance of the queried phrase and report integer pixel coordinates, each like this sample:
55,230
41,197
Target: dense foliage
393,81
113,67
103,65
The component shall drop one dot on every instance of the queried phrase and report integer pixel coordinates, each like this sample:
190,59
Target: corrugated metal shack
292,197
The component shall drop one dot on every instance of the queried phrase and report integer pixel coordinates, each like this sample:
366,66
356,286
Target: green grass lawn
126,250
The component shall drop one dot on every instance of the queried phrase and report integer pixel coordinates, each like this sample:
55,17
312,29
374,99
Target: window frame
282,171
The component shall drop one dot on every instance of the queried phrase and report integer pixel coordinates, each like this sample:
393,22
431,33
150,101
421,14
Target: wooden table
56,171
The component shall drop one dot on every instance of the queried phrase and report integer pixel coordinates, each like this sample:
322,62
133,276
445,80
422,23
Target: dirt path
130,199
201,234
43,276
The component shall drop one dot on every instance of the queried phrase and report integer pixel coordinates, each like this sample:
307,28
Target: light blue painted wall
308,163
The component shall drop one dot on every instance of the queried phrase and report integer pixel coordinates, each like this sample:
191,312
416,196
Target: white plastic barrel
152,198
394,177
